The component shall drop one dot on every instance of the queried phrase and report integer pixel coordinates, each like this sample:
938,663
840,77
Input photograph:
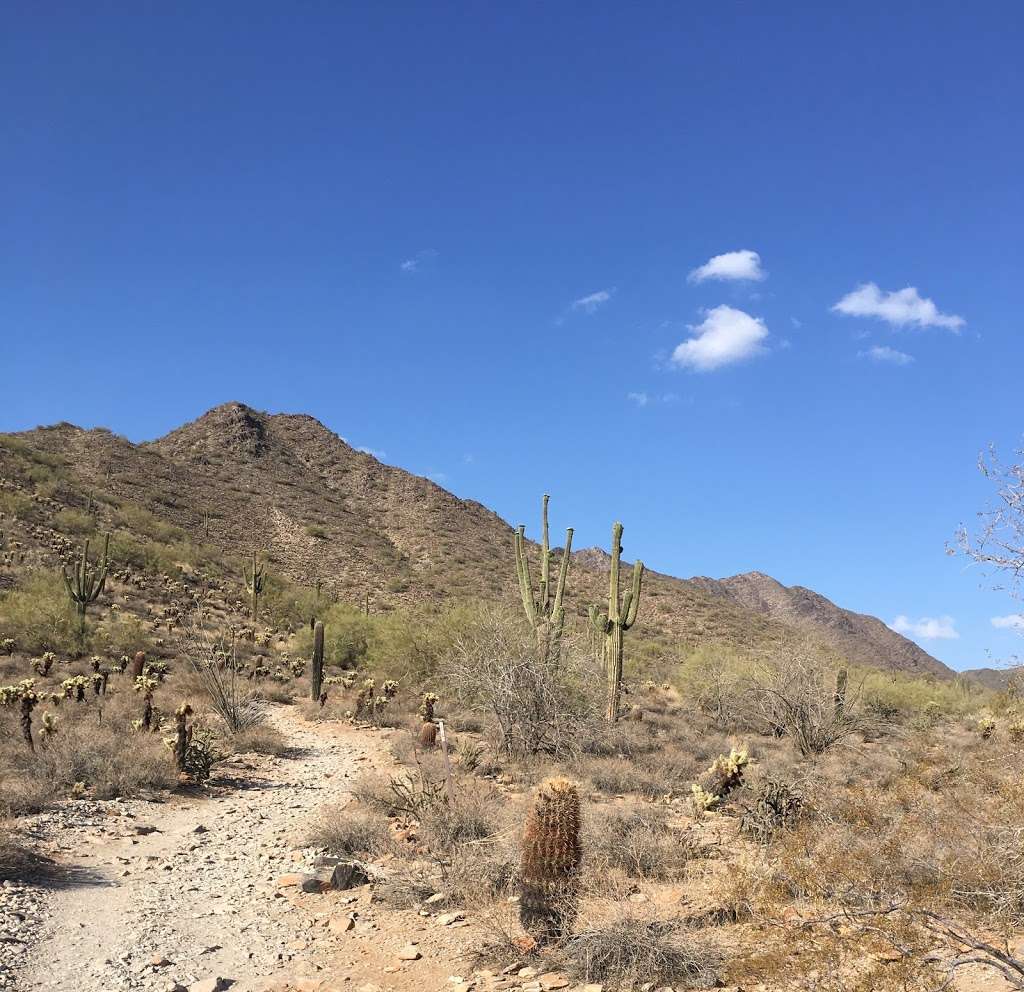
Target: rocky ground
212,891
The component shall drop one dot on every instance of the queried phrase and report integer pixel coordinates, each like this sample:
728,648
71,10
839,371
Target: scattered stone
349,875
341,924
447,919
553,980
209,985
409,953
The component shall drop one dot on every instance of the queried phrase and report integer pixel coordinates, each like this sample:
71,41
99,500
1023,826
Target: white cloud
1013,621
927,628
593,302
411,265
640,399
379,455
726,335
744,264
890,356
904,306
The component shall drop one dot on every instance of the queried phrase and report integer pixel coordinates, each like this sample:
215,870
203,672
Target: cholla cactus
95,661
986,725
146,685
7,645
48,730
42,666
99,683
389,689
366,699
722,778
74,688
122,663
550,863
23,695
427,704
158,670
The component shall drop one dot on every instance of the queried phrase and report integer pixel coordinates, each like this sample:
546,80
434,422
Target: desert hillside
237,479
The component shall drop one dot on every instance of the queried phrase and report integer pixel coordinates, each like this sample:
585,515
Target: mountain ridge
323,511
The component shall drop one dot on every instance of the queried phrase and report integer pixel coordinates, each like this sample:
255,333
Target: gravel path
193,899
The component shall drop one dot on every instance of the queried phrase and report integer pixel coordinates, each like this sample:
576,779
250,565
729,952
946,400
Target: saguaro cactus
551,861
316,677
543,610
619,618
86,583
254,580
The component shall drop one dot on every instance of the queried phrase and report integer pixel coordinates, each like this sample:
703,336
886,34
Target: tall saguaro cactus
86,582
544,609
254,581
619,618
316,678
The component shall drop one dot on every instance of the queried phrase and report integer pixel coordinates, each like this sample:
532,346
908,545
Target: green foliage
20,507
74,522
121,634
141,521
286,605
37,615
346,637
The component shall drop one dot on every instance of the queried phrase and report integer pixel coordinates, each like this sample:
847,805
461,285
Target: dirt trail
200,891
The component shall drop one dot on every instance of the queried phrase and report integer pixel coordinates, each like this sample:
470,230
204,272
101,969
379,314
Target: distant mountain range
237,478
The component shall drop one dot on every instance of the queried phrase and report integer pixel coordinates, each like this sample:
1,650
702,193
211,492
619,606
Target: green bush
20,507
121,635
37,614
346,635
74,522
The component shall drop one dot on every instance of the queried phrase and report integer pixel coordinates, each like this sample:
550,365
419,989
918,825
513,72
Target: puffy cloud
889,356
733,265
927,628
593,302
725,335
899,308
640,399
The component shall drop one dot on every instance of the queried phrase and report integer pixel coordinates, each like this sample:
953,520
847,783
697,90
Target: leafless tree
998,541
495,668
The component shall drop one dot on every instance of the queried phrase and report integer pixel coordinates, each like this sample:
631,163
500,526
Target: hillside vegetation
615,776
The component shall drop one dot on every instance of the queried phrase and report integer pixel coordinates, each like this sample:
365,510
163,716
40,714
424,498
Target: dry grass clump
641,843
345,831
631,950
261,739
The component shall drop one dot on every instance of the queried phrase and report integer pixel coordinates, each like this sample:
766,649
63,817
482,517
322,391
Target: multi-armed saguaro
619,618
544,610
86,583
254,584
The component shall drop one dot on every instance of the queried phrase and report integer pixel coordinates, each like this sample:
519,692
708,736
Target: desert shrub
261,739
630,950
641,843
495,668
285,605
346,633
619,776
105,759
74,522
121,634
20,506
775,806
141,521
36,614
716,678
347,832
216,666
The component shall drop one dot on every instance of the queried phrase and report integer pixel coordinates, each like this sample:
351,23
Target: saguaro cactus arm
86,583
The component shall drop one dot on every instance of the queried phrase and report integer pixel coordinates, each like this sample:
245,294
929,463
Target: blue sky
472,238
